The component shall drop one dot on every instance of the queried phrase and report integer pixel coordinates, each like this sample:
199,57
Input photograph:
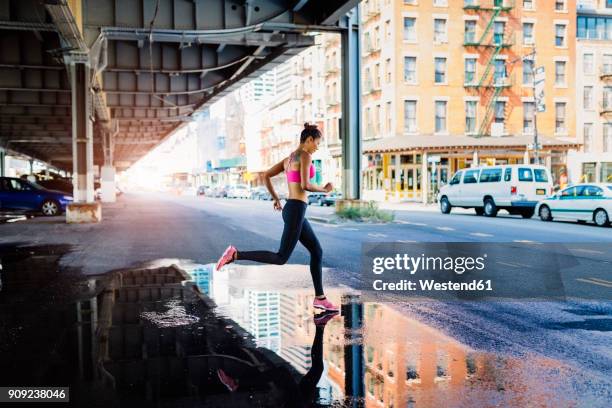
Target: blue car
22,195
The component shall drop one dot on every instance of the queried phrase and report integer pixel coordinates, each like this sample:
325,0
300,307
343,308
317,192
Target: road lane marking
418,224
588,251
376,235
480,234
350,229
594,282
509,264
406,241
445,228
526,241
602,280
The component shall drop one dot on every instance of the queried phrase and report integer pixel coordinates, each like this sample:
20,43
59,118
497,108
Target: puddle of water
377,355
161,335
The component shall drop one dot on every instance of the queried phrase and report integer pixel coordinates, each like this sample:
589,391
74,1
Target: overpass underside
102,82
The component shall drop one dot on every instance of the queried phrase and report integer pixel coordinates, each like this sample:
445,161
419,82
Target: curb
320,219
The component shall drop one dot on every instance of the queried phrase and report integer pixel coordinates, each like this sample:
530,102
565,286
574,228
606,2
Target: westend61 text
431,285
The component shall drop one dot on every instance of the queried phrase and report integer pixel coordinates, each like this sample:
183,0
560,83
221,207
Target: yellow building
449,84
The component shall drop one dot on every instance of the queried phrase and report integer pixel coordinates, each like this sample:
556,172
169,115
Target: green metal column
2,162
351,106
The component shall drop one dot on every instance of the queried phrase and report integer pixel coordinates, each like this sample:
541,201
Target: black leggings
297,228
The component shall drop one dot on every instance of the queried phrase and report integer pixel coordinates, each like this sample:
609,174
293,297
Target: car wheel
601,218
527,214
445,206
49,208
479,210
490,209
545,214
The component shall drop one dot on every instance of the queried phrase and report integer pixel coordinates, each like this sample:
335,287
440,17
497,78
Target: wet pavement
176,333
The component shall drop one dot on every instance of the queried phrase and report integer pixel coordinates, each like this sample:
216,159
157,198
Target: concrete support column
107,172
107,184
351,106
526,157
424,179
475,159
84,208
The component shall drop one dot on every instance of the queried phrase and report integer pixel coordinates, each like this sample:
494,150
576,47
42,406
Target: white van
516,188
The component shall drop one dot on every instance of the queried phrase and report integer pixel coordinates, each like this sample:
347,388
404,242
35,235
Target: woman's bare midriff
296,192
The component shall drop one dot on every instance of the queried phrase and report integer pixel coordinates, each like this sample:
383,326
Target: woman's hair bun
308,125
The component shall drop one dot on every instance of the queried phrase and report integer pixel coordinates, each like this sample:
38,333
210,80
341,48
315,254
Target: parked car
581,202
331,198
23,195
220,191
98,192
516,188
239,191
63,185
202,190
316,198
260,193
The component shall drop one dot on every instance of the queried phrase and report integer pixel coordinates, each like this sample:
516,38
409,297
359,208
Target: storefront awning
439,143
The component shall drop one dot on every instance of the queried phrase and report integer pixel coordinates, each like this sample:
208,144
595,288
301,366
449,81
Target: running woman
299,169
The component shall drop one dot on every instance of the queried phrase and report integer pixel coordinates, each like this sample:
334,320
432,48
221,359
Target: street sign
433,159
538,88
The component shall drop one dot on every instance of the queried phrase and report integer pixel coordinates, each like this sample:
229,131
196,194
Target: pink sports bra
293,176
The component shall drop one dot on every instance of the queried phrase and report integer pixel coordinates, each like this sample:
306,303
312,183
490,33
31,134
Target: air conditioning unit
497,129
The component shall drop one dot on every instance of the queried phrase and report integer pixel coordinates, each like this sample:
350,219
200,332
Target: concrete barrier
83,213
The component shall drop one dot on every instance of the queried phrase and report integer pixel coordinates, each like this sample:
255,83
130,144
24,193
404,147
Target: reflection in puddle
375,354
246,336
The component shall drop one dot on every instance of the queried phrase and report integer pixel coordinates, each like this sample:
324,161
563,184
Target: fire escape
495,38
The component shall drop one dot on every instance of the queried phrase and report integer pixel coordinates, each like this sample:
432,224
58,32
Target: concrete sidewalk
133,230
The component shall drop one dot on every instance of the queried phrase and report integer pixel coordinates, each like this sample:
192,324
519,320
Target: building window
470,32
409,28
440,70
528,4
440,30
560,5
388,118
470,116
440,116
410,124
607,97
588,63
560,35
528,34
594,28
528,72
498,32
606,67
588,137
499,75
388,30
528,116
560,117
470,2
410,2
388,70
470,70
607,137
410,69
587,97
560,73
440,3
500,111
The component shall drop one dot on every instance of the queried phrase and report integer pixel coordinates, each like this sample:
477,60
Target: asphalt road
576,332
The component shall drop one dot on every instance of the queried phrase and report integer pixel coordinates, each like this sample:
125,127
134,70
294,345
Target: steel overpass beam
351,106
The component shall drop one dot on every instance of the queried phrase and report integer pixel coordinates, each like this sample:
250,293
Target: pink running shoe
324,304
227,257
228,381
